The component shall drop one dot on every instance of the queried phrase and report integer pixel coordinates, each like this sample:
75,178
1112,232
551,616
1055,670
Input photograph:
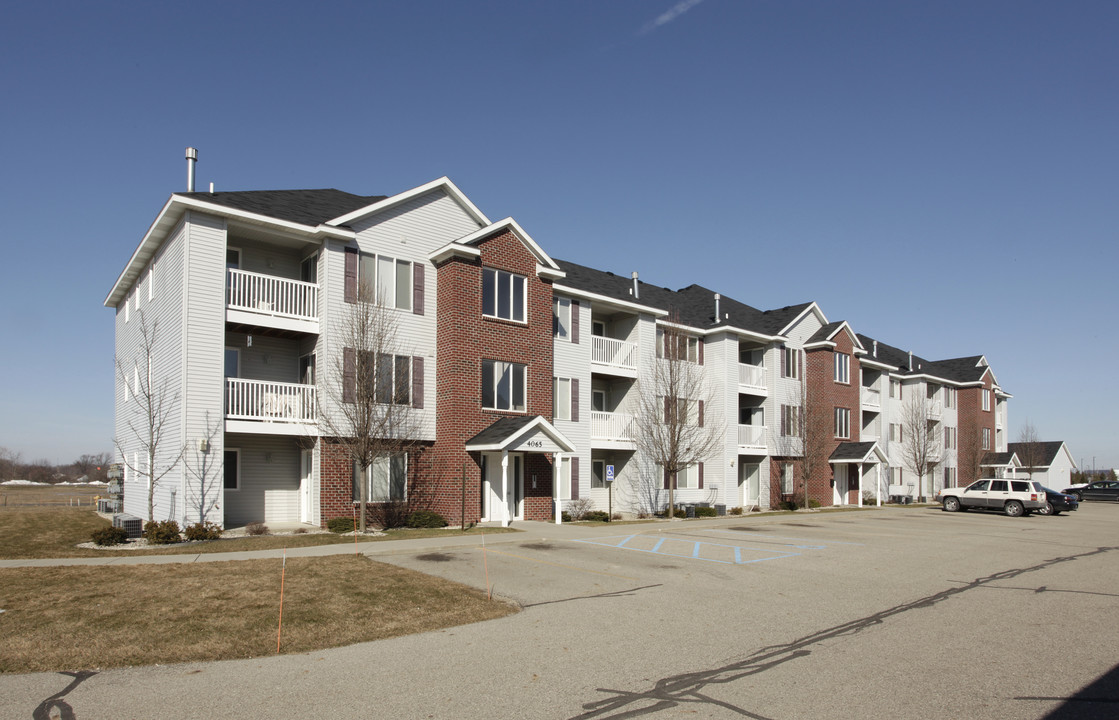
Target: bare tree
970,455
9,464
149,409
1030,449
671,429
921,445
369,390
205,467
807,437
93,467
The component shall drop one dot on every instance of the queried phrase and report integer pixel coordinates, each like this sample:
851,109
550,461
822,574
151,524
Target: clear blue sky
941,175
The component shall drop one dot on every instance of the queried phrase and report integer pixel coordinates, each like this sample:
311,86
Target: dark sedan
1098,490
1058,502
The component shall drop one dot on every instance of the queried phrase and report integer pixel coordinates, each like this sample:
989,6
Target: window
598,400
386,378
688,478
949,438
231,469
309,269
682,411
687,347
503,295
598,473
842,423
233,258
151,281
387,279
949,477
790,363
986,400
232,362
895,389
790,420
986,438
787,478
949,397
598,328
843,368
503,385
561,318
561,398
387,479
895,432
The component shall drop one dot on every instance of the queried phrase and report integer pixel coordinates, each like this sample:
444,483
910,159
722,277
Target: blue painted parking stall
726,553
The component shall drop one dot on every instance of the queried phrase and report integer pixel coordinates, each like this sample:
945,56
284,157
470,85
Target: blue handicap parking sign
609,473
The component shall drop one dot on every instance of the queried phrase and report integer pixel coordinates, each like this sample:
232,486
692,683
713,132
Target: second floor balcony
612,429
751,378
269,407
752,437
871,397
614,356
269,301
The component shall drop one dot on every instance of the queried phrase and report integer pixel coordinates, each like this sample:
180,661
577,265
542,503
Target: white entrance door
514,498
840,484
749,483
307,466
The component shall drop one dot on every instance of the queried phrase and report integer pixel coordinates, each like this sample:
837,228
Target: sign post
610,492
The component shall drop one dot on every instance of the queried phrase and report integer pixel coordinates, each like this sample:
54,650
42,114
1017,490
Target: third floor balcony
617,357
269,301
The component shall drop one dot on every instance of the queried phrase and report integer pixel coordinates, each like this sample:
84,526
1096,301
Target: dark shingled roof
852,451
306,207
695,305
822,334
501,430
966,369
998,459
1047,451
961,370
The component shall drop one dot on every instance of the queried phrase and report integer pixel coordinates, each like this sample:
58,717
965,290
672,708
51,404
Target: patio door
749,483
840,484
514,498
307,467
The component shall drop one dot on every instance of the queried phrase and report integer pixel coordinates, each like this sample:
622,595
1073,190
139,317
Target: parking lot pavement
909,613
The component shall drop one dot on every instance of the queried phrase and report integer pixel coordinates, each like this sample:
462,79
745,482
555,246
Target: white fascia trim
539,422
819,344
876,363
113,298
315,231
812,308
704,332
452,250
621,304
742,332
443,183
547,272
511,225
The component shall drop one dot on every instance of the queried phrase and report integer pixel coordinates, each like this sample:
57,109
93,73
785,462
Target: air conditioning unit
133,525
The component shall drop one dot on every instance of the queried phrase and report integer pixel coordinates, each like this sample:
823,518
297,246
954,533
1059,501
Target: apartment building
522,374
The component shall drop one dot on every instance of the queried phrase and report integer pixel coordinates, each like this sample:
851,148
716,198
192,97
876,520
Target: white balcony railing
616,353
935,409
751,435
269,401
271,295
871,397
753,375
611,426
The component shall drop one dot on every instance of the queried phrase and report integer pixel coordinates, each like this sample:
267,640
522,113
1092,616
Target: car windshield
979,486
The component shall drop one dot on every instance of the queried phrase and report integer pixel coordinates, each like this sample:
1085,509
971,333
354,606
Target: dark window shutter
575,478
418,289
351,275
700,351
782,359
800,364
417,382
701,413
666,480
784,418
701,476
349,375
574,399
355,474
575,321
667,410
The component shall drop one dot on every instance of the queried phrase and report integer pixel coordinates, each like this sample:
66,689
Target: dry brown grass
58,495
83,618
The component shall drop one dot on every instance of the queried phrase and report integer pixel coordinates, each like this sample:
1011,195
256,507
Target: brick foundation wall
336,483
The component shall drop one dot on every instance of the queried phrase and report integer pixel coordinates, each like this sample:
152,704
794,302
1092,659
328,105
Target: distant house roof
306,207
1046,451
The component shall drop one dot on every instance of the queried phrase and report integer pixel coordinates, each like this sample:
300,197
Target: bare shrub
579,508
256,528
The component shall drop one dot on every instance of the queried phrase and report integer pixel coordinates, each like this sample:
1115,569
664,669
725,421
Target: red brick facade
336,482
971,419
466,338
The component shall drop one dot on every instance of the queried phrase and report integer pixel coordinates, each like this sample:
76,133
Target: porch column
557,464
878,483
505,488
860,484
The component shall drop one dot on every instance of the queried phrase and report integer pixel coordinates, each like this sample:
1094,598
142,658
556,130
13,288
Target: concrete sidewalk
526,531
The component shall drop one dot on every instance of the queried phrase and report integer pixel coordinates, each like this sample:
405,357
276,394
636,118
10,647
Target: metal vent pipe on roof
636,292
191,158
717,298
910,361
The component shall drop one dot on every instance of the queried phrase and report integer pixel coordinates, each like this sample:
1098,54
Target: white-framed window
151,281
135,379
986,400
986,438
895,389
561,318
387,479
231,469
895,432
561,398
127,307
388,279
233,258
563,477
949,397
949,438
787,478
598,328
790,363
790,420
503,295
503,385
949,477
598,400
842,423
598,473
393,380
688,478
843,368
687,347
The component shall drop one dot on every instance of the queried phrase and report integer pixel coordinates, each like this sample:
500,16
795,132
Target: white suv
1013,497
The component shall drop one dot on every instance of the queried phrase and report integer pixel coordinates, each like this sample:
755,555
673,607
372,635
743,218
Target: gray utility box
133,525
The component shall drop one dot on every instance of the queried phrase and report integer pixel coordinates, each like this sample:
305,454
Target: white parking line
698,550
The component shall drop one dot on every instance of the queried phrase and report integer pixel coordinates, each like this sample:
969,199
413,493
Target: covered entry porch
852,465
518,481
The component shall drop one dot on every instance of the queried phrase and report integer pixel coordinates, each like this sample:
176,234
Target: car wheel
1046,510
951,504
1014,509
1079,497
